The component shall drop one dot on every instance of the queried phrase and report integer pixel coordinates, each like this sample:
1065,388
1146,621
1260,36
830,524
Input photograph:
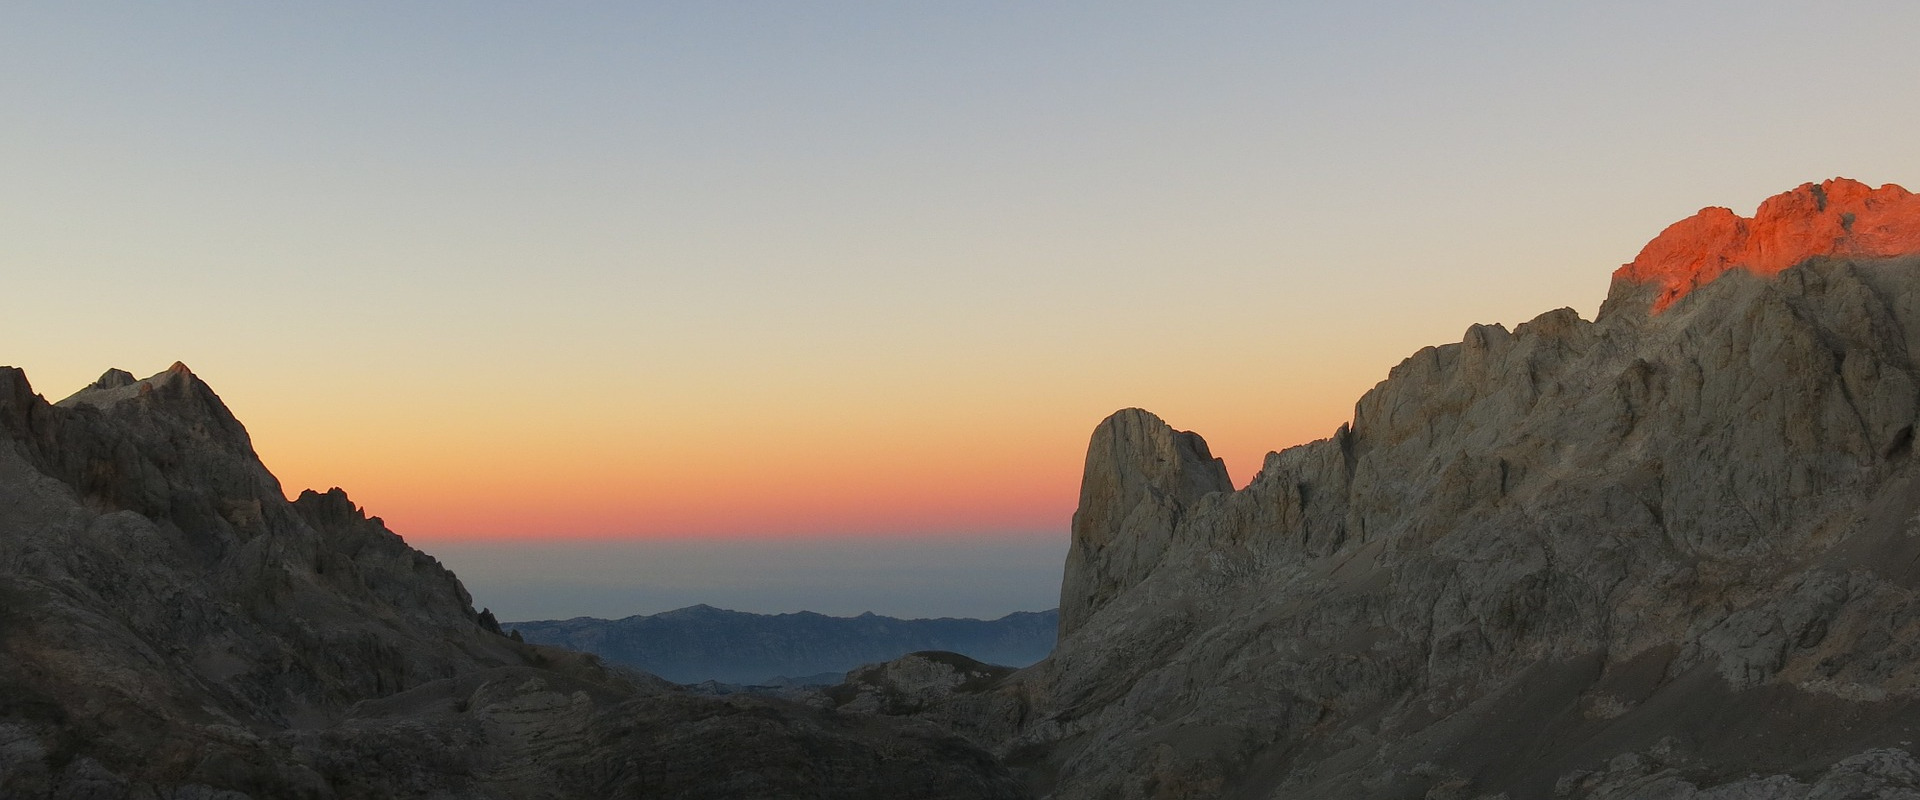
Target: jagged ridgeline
1669,553
171,626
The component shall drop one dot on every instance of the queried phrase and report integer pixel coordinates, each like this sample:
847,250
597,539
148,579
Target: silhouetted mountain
173,628
701,643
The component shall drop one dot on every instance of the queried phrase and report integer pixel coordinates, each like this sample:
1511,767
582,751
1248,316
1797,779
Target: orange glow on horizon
891,481
634,272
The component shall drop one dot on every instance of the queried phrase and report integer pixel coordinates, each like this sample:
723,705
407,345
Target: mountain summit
1839,217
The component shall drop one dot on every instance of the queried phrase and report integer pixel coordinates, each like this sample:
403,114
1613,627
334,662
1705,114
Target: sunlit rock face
1839,217
1671,555
702,643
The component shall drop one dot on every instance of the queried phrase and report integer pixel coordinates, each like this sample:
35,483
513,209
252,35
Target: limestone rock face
1839,217
1141,477
1651,556
171,626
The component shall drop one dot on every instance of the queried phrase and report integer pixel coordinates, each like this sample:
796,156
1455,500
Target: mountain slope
172,627
1637,557
701,643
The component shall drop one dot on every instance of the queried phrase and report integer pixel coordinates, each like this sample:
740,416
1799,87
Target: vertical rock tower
1141,478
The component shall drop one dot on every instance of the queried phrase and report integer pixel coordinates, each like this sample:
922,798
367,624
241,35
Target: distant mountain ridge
700,643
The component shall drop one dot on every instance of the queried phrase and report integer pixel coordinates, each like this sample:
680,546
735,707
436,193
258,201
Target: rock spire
1141,478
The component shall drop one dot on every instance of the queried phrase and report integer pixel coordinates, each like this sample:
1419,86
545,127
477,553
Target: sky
764,299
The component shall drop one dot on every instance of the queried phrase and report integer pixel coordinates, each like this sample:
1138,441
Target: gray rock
914,682
1686,540
1141,478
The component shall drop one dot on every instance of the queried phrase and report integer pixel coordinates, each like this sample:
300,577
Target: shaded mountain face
1639,557
172,627
702,643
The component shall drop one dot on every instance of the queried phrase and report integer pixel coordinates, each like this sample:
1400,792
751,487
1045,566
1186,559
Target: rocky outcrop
914,682
703,643
1141,478
1669,554
947,690
1836,218
171,626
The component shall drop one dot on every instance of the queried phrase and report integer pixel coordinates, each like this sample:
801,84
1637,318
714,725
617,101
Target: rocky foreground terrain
173,628
703,643
1669,553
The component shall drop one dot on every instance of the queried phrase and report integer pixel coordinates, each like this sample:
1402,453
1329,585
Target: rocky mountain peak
113,379
1838,217
1141,477
118,385
330,507
172,626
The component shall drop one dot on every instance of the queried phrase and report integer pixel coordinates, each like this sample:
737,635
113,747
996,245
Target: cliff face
1840,217
1141,479
1632,558
171,626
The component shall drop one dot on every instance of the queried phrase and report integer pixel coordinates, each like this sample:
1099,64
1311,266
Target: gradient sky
799,272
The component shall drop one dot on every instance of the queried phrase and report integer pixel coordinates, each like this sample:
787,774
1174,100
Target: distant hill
701,643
